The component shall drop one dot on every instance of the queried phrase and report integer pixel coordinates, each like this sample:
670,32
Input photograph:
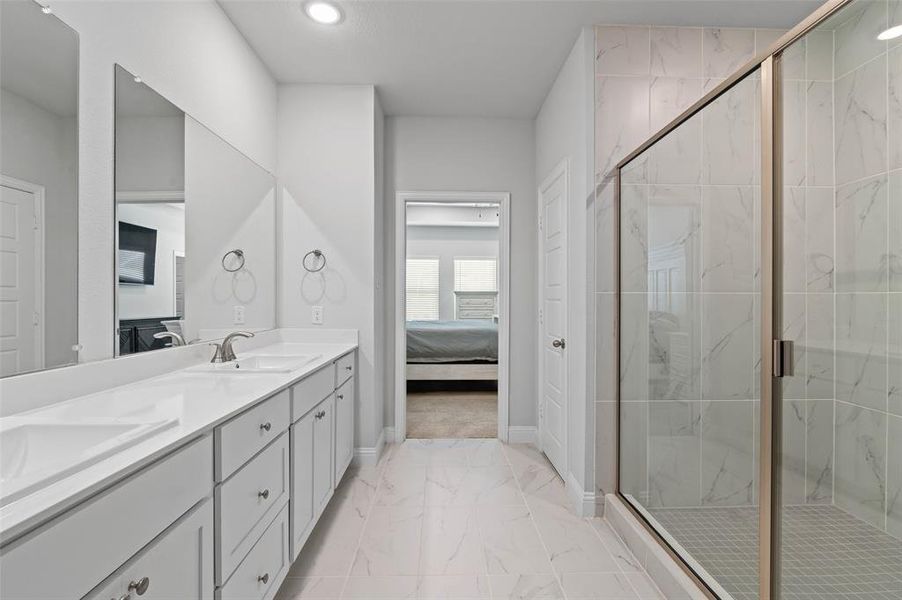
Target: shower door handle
783,359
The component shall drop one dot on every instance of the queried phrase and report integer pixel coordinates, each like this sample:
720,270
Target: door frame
504,258
40,301
561,170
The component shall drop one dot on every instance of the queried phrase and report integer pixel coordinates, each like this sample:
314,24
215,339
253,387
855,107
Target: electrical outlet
238,315
316,315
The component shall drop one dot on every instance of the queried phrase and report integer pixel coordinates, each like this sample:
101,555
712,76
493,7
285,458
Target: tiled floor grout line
529,511
630,555
366,520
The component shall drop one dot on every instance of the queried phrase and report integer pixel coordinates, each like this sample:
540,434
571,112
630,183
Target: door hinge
540,223
35,318
783,359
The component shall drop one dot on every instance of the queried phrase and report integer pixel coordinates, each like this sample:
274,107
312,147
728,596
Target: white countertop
196,401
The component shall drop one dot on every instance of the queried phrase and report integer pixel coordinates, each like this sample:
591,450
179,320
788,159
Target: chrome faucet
176,339
224,351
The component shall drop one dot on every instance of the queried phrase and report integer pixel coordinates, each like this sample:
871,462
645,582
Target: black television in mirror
137,254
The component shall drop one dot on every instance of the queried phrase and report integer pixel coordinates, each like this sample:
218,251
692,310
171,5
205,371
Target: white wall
40,147
328,172
564,131
472,154
157,300
446,244
150,154
230,203
190,53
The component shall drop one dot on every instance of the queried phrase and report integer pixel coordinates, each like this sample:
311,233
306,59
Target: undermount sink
33,455
275,363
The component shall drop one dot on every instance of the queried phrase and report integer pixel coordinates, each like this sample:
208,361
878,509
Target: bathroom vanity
216,503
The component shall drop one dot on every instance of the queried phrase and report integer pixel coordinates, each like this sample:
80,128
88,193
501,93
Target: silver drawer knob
263,578
140,586
341,396
349,368
266,426
264,494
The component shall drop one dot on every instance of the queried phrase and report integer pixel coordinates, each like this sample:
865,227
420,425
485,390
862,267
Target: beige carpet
435,415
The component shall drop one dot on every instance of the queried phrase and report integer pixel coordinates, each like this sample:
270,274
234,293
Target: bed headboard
475,305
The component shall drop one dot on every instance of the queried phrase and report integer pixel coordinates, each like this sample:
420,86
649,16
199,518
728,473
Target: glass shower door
690,308
841,458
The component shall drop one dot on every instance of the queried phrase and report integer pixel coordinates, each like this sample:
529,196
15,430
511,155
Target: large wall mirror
195,227
39,185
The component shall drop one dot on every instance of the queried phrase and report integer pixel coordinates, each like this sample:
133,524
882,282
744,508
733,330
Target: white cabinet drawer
245,435
302,509
344,368
259,575
178,564
344,427
476,302
310,391
247,502
70,555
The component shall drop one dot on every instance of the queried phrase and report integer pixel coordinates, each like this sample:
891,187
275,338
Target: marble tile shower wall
688,370
866,280
691,440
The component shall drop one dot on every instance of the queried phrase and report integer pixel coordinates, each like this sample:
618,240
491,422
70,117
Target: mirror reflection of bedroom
452,282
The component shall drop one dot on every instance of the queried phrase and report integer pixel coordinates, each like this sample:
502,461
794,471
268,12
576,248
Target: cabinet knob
349,368
264,494
140,586
341,396
263,578
266,426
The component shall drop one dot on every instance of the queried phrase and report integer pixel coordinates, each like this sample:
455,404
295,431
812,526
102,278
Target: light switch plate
316,315
238,315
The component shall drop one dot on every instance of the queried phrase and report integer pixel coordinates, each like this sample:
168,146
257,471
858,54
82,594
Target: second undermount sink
33,455
263,363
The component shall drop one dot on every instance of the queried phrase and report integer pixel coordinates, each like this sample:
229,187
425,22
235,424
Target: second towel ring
318,254
239,256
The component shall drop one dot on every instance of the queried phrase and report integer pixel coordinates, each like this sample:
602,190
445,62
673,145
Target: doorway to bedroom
453,305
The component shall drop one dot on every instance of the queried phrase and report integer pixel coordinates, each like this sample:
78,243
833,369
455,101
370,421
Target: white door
553,317
21,296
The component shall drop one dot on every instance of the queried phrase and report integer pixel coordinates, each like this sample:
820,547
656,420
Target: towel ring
318,254
239,254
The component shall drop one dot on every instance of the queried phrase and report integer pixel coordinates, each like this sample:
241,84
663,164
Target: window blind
475,275
422,289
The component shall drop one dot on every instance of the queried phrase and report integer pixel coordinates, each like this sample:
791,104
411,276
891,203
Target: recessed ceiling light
323,12
891,33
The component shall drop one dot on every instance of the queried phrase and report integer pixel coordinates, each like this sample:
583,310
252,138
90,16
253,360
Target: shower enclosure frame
772,355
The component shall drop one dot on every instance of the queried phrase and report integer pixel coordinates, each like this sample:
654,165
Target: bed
452,350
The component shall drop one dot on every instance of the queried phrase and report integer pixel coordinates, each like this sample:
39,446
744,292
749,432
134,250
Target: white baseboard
518,434
389,434
583,502
369,456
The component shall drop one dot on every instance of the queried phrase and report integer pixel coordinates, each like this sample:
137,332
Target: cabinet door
178,564
323,423
301,482
344,428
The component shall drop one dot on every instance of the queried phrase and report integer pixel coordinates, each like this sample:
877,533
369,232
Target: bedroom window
422,289
475,275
